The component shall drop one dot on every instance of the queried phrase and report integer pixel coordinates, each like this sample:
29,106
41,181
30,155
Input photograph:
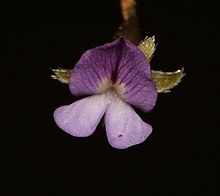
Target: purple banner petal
118,62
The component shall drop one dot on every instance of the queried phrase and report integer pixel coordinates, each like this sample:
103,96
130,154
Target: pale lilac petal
124,128
81,118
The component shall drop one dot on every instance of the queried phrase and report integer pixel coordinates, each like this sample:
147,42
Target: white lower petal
81,118
124,127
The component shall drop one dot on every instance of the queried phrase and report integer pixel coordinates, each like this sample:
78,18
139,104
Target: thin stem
129,28
128,9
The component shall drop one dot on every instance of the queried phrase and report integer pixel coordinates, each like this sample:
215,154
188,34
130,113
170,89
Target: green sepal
62,75
165,81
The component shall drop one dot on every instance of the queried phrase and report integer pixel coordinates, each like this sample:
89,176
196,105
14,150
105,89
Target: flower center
107,85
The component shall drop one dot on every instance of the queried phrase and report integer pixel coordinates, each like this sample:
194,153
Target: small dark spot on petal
120,135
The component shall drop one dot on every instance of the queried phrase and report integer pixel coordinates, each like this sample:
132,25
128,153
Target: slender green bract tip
62,75
148,47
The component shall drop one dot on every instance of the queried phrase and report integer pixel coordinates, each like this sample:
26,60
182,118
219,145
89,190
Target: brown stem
129,28
128,9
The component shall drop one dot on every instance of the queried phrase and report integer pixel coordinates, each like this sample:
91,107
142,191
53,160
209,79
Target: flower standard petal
119,63
81,118
124,128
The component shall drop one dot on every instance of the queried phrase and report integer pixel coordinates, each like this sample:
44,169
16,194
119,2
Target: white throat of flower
106,85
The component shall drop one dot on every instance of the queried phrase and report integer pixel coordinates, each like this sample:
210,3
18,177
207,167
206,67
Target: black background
180,156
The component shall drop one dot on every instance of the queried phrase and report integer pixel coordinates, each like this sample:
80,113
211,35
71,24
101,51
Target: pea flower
114,77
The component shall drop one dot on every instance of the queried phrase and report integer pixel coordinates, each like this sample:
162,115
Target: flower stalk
130,26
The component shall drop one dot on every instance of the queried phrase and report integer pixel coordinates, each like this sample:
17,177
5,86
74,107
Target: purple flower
116,76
